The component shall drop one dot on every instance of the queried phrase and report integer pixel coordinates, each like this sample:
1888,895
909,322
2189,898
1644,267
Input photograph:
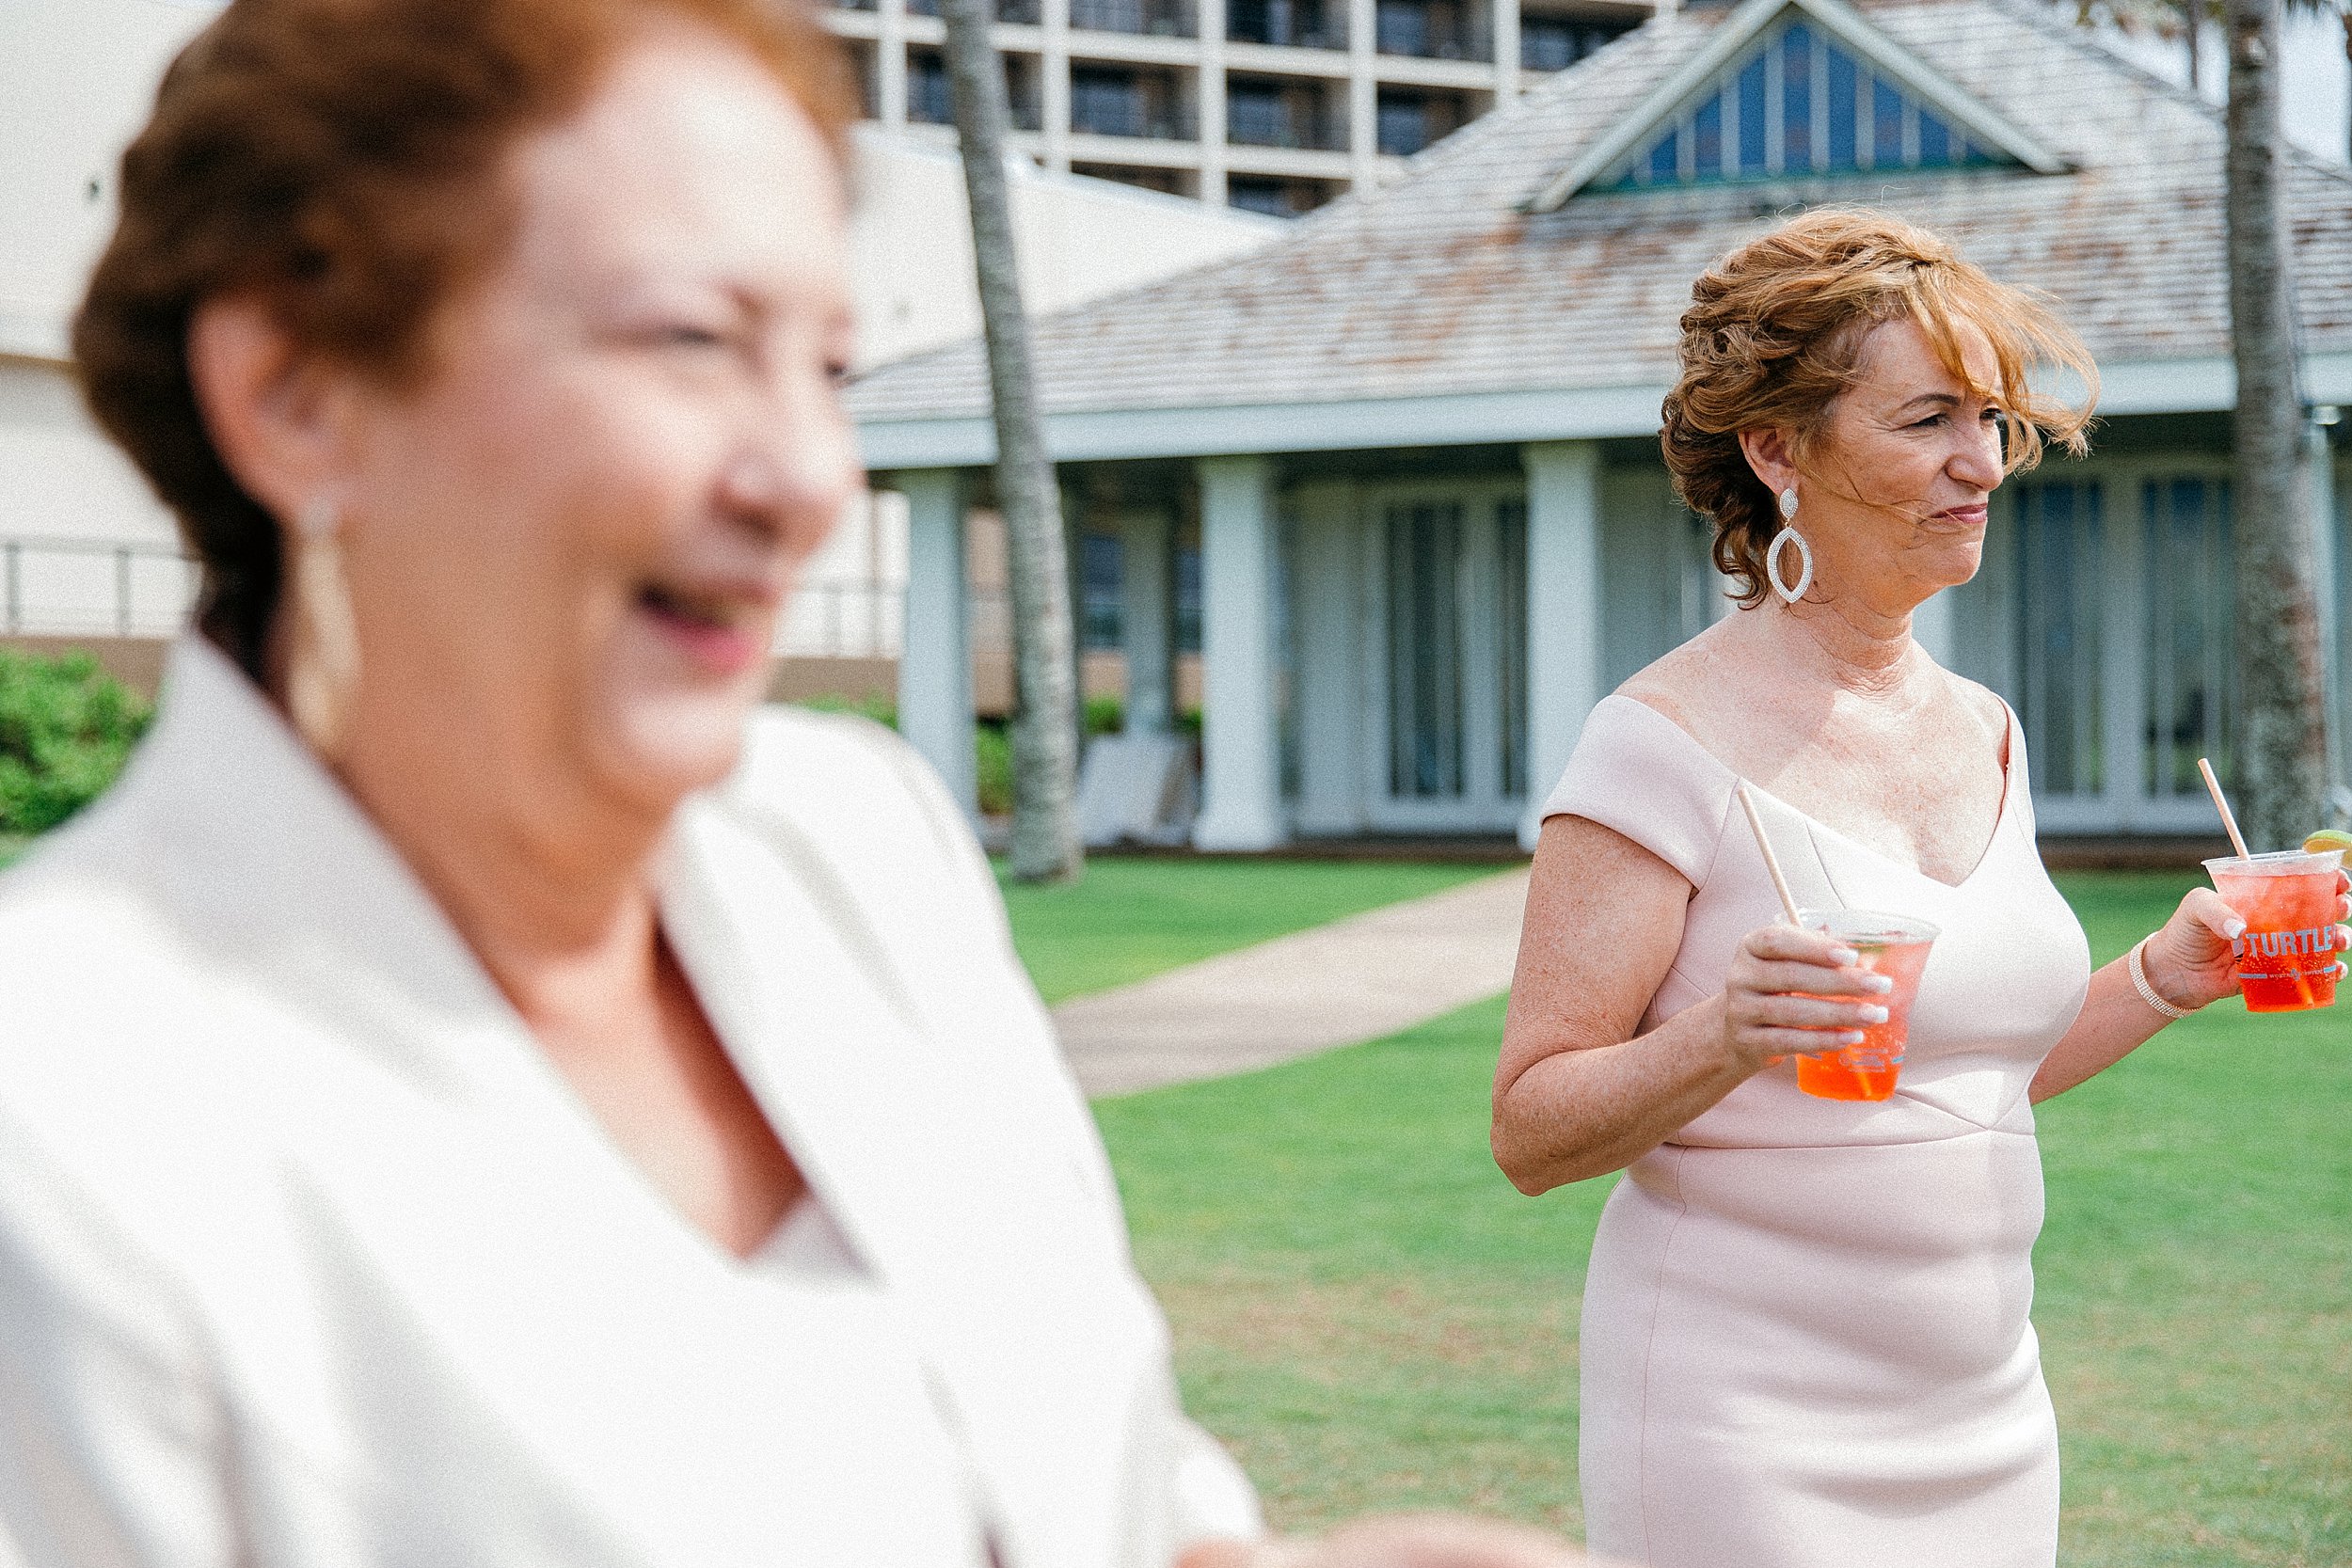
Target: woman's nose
1978,462
795,453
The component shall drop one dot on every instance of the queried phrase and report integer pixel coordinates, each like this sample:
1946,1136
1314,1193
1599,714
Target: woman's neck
1846,640
553,890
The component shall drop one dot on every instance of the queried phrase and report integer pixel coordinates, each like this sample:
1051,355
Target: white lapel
1049,1353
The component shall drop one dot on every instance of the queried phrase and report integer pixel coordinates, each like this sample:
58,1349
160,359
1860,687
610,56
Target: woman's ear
1767,450
276,415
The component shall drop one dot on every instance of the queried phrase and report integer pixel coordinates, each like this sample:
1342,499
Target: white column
2326,572
1052,66
935,669
1241,767
1329,690
1505,31
1147,626
1073,521
1363,128
1563,599
1210,17
890,63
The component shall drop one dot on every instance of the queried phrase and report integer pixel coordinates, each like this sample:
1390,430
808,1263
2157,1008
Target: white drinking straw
1772,861
2221,804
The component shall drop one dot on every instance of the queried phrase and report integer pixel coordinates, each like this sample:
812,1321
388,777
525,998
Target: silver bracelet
2147,992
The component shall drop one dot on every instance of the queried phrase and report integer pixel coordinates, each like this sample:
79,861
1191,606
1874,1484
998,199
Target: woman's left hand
2189,962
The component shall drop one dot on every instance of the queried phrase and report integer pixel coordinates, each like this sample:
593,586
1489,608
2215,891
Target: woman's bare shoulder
1981,701
1687,682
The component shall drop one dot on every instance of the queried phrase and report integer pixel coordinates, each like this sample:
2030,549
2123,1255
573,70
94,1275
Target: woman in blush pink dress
1806,1332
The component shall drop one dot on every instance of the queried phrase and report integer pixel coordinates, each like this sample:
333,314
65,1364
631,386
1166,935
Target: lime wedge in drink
2326,839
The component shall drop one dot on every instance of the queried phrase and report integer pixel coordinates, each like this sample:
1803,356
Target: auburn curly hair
339,159
1773,336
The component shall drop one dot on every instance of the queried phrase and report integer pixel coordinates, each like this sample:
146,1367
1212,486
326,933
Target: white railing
63,587
845,620
60,587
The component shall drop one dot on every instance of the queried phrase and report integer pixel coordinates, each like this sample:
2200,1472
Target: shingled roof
1446,283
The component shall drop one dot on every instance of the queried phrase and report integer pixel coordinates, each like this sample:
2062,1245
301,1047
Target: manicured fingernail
1873,1013
2234,929
1879,983
1852,1036
1844,956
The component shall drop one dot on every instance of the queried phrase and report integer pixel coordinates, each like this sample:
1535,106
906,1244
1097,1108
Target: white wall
76,80
76,77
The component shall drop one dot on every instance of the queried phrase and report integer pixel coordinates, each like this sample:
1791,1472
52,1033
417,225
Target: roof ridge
2085,39
2088,40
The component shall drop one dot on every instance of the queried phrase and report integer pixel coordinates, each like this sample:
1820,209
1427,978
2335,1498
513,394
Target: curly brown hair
339,159
1773,336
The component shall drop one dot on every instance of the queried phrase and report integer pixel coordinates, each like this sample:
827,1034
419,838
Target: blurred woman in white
456,1108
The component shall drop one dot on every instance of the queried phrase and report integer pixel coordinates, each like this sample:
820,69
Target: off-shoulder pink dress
1805,1340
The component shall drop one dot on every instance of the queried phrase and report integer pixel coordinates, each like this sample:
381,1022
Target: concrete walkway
1355,979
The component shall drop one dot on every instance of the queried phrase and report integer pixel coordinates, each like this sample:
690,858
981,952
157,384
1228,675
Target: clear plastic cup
2286,962
1896,946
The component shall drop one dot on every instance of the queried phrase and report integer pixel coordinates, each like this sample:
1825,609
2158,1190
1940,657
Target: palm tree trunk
1045,843
2281,760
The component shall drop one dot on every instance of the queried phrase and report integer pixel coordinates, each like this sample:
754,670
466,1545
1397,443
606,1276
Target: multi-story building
1273,105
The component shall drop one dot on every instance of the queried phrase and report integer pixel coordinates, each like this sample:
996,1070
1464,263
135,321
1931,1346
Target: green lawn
1134,916
1374,1319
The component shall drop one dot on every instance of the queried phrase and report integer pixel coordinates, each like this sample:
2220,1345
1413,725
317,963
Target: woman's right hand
1764,1021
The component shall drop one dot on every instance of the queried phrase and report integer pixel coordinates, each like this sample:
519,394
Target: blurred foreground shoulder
860,791
111,1166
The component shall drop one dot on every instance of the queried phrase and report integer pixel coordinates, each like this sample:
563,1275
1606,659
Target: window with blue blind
1797,103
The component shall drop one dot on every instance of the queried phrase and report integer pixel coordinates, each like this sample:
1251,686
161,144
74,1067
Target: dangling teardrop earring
323,654
1781,541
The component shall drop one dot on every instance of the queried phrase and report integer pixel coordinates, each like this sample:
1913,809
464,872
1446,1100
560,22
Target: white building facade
1273,105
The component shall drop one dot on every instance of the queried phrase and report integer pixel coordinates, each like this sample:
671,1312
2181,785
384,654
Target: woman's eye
689,335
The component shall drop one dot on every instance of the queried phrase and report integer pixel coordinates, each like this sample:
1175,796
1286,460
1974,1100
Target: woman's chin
1951,568
658,750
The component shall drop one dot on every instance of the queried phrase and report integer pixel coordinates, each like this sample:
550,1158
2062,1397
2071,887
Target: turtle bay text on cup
2278,944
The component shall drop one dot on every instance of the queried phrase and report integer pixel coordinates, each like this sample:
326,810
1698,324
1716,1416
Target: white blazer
308,1258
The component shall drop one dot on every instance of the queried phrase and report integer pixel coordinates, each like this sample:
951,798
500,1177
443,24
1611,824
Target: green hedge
65,728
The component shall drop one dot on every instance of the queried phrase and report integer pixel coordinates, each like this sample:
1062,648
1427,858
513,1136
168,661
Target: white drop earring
1781,541
322,651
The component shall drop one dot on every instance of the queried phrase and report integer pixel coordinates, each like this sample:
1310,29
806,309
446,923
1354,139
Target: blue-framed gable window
1798,102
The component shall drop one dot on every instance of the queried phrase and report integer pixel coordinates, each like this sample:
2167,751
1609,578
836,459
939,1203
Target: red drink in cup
1890,945
2286,961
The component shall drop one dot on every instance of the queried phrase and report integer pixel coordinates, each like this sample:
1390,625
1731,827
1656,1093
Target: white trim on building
2197,385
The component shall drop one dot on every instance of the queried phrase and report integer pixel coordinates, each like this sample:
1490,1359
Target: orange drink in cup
1890,945
2286,962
